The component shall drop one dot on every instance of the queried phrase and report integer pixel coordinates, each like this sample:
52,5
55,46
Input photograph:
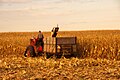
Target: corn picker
53,46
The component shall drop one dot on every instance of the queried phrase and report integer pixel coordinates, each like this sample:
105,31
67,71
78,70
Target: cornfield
97,44
98,57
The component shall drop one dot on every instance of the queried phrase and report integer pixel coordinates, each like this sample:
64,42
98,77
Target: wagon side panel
50,45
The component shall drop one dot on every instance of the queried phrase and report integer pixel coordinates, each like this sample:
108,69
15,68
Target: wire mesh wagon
60,46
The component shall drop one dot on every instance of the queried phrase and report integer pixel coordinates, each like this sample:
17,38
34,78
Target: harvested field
98,58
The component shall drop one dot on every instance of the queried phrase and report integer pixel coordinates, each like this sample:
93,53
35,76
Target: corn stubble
98,58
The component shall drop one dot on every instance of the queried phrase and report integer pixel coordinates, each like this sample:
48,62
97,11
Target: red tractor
34,49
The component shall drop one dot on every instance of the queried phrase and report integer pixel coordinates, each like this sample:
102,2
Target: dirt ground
17,67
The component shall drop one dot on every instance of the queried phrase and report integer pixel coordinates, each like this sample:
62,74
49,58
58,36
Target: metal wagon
60,46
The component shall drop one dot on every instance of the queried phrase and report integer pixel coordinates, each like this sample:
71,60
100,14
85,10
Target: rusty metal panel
50,48
66,40
50,45
46,48
74,47
66,49
65,45
50,40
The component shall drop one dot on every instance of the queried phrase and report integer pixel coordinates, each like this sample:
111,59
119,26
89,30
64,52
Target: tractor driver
40,38
40,43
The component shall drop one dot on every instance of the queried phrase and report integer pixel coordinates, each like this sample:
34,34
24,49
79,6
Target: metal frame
64,43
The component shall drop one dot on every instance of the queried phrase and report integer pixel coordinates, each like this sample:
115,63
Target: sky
70,15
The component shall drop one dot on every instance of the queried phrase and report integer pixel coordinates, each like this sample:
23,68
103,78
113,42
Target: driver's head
39,31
